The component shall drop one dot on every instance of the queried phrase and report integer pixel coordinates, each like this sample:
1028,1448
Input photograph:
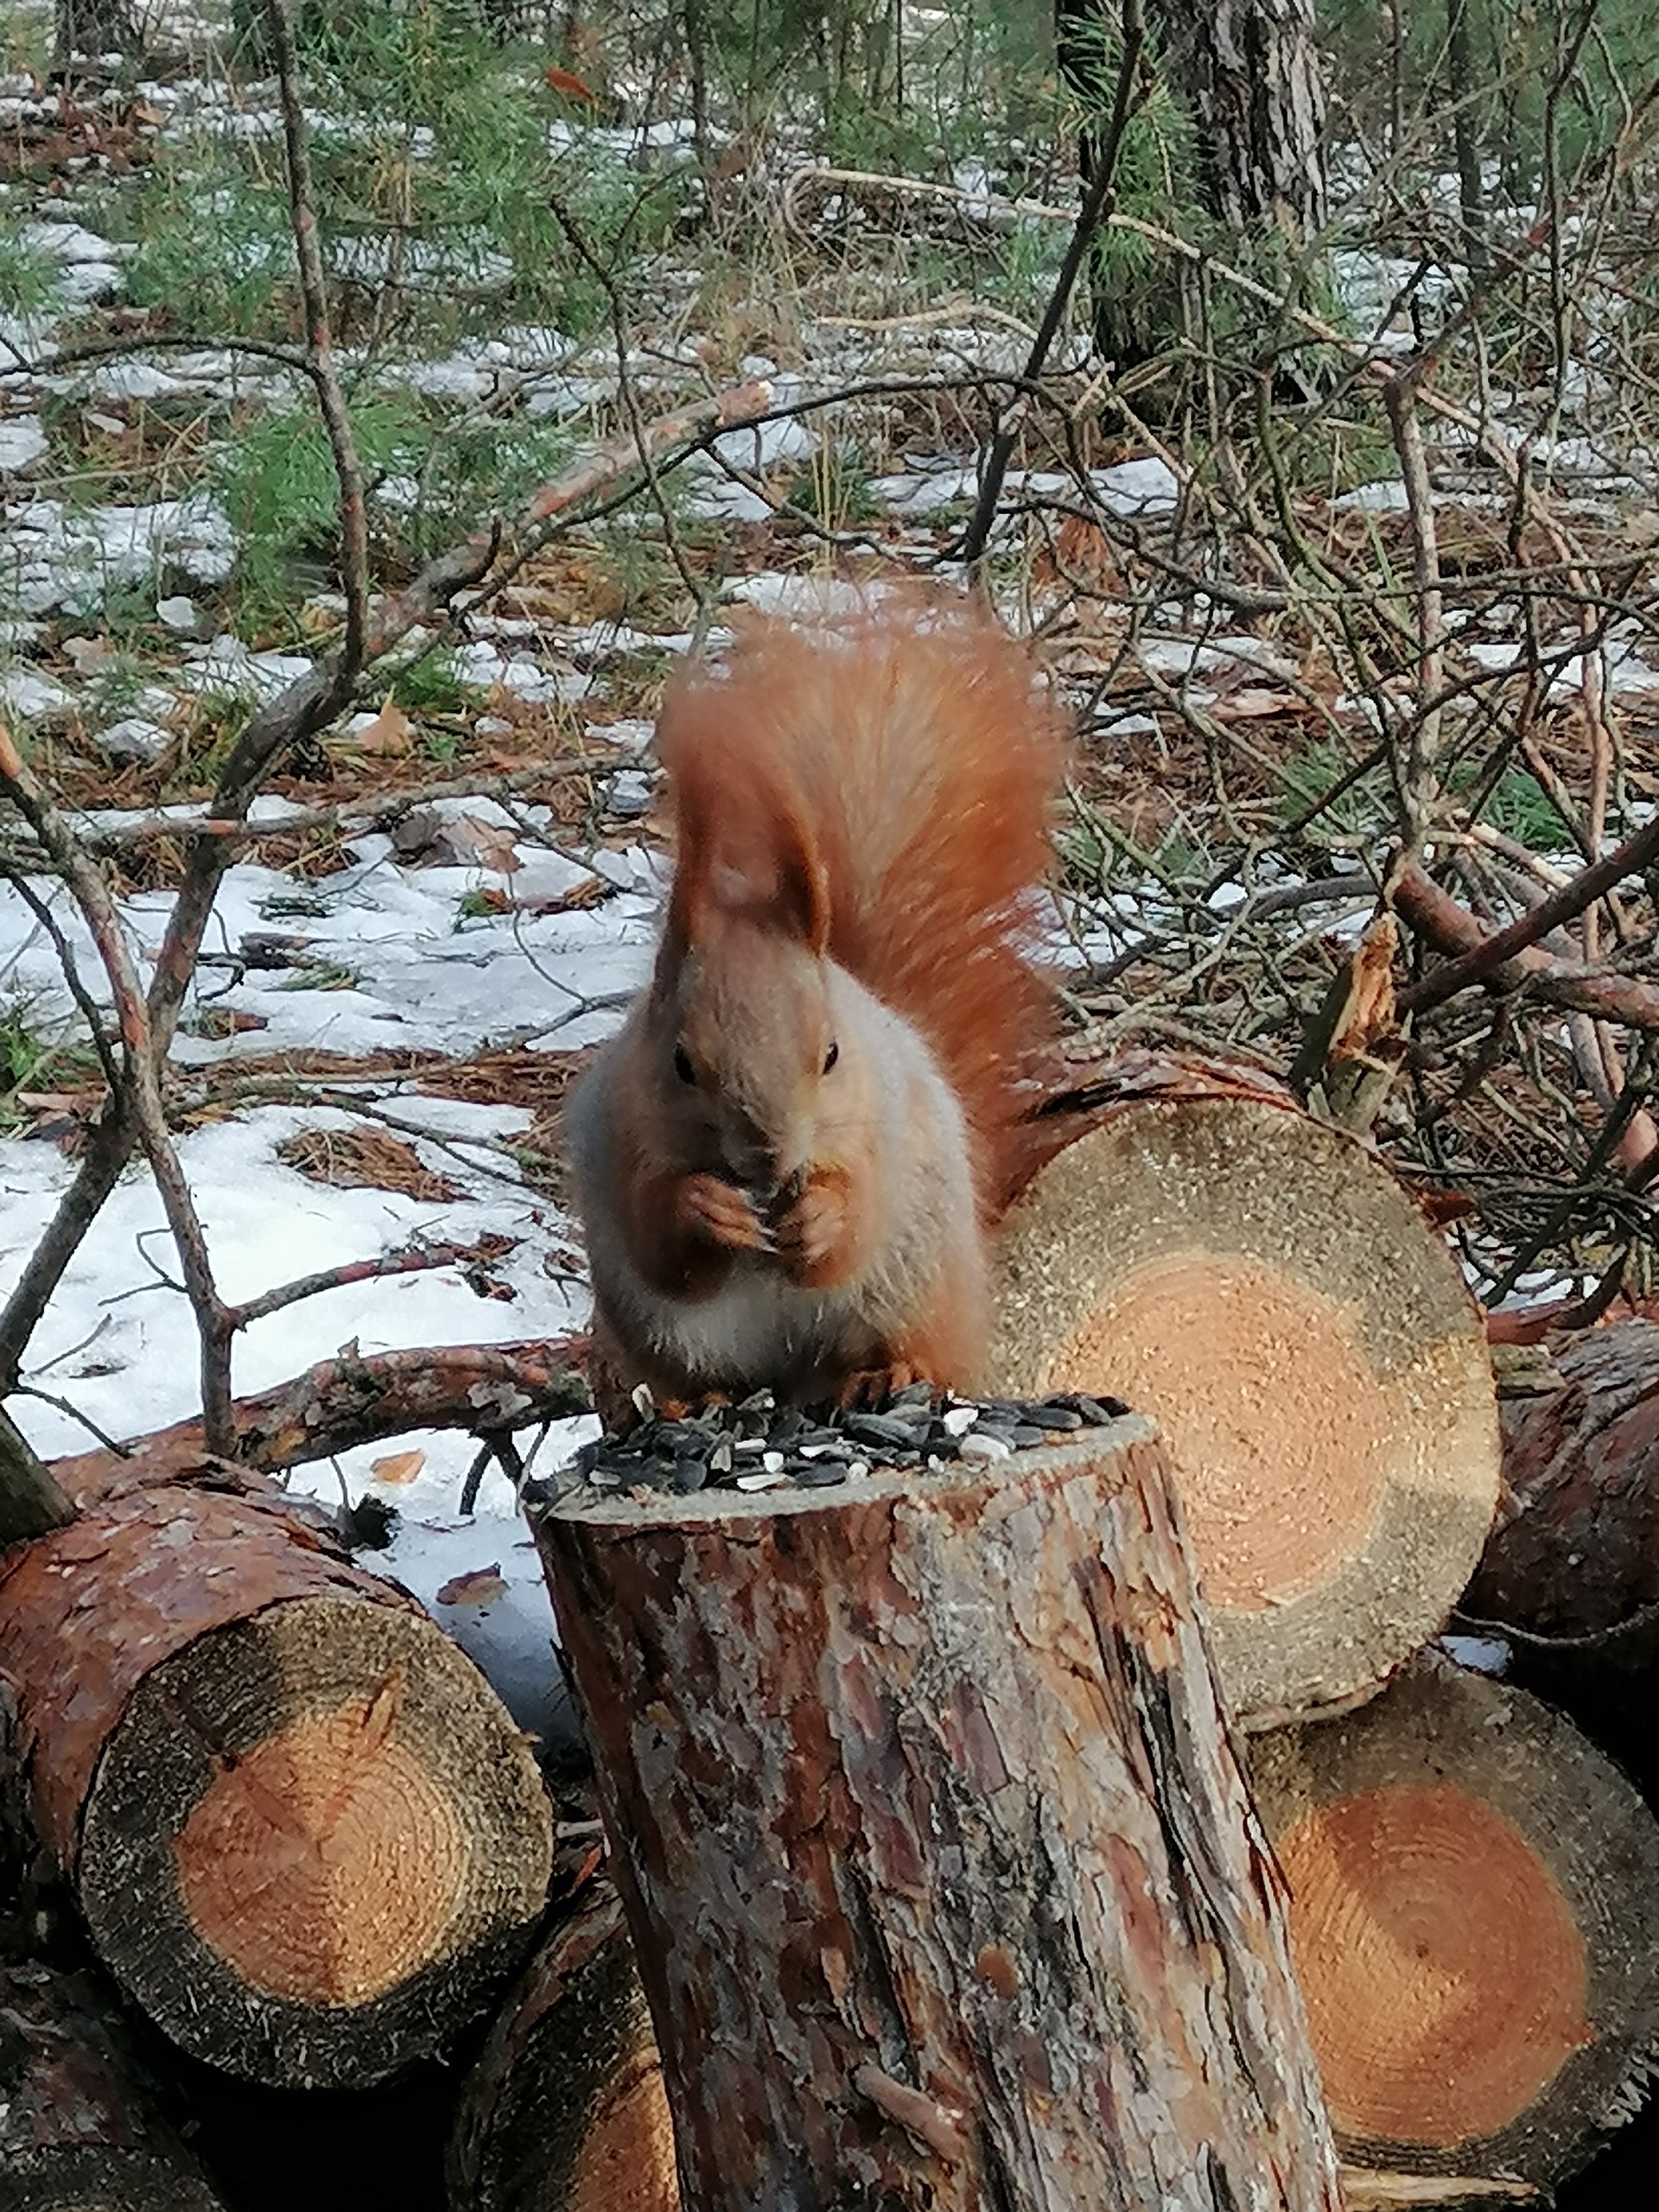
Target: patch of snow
69,243
479,662
1386,497
629,796
134,739
803,599
52,555
229,666
1482,1655
33,698
179,614
1143,487
717,498
23,443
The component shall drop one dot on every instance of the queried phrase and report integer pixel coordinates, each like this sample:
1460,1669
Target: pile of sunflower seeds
759,1445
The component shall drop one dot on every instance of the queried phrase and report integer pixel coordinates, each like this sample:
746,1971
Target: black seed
1054,1416
880,1428
820,1474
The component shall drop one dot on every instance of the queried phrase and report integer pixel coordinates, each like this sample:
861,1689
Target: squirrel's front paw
811,1233
723,1213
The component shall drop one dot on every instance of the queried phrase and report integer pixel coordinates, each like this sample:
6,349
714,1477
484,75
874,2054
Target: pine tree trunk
86,29
944,1885
1248,71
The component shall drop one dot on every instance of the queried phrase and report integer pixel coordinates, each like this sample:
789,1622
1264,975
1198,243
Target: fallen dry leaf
397,1467
480,1586
390,731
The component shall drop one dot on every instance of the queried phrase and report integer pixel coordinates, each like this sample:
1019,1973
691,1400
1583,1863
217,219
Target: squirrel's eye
682,1066
831,1056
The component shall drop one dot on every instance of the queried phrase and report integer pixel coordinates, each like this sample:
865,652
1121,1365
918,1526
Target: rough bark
1261,1285
944,1884
355,1398
306,1837
564,2110
79,2124
31,1501
1475,1922
1575,1557
1248,71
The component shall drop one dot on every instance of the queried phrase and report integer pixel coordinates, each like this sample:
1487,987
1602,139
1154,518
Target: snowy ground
118,1343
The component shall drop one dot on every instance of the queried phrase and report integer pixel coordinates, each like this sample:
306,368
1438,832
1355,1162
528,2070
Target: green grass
433,686
277,482
1316,769
29,280
31,1060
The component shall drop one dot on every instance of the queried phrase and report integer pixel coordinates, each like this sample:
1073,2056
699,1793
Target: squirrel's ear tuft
802,900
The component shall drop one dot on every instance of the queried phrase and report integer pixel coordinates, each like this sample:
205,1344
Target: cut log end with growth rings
1261,1286
306,1838
945,1888
1475,1922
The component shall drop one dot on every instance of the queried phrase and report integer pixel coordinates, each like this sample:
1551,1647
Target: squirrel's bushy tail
906,754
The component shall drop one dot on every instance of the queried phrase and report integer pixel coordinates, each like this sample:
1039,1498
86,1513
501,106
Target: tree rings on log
945,1887
79,2126
306,1835
1475,1921
564,2110
1263,1288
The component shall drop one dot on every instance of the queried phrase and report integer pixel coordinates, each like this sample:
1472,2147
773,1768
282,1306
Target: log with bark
945,1886
1188,1241
306,1837
1574,1558
1570,1576
1474,1908
81,2129
565,2110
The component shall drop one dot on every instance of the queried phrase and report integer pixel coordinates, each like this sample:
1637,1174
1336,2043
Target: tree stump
1261,1285
79,2126
945,1887
1475,1922
564,2110
306,1838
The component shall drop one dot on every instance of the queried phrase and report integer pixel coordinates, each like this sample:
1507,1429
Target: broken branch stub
944,1885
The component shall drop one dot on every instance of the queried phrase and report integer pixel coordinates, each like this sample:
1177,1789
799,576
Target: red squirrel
786,1157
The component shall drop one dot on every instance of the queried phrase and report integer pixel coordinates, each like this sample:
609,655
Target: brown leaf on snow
397,1467
480,1586
390,731
363,1158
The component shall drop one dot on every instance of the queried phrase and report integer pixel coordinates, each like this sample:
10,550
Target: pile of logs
1089,1826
